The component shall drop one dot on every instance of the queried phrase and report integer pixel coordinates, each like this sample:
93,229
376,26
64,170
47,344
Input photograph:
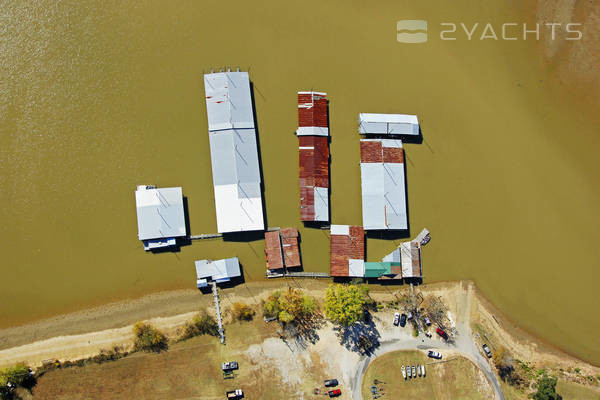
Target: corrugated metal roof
160,213
312,114
314,178
228,101
383,184
408,255
392,124
218,270
234,152
273,250
347,247
291,249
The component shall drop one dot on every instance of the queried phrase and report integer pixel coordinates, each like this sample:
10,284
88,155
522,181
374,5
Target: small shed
388,124
408,256
160,216
282,249
218,271
347,251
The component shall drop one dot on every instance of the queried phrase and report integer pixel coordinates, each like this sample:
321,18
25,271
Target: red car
443,334
335,393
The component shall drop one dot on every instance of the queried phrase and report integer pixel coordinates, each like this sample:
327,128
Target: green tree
17,375
345,304
546,389
148,338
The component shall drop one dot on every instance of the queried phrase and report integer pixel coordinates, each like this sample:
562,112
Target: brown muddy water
98,97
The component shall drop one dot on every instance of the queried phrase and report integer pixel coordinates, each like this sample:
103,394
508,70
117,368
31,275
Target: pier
299,275
218,311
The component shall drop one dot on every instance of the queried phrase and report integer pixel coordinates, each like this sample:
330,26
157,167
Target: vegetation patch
148,338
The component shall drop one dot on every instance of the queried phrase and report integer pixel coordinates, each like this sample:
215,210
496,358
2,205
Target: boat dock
218,311
219,235
299,275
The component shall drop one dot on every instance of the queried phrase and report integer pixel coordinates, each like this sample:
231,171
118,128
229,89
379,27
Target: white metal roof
392,124
410,253
218,270
356,268
159,212
228,100
233,152
383,193
321,203
340,229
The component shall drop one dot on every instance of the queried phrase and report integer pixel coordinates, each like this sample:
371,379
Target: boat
419,370
408,371
423,370
403,372
414,372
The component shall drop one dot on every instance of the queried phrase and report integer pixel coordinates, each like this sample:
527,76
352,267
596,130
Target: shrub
546,389
148,338
201,324
506,367
241,311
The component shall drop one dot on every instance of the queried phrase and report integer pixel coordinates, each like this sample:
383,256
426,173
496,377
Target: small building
281,249
160,216
388,124
383,184
313,132
233,152
408,255
347,251
219,271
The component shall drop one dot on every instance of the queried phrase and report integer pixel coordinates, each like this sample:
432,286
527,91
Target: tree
241,311
290,306
505,365
546,389
344,304
201,324
148,338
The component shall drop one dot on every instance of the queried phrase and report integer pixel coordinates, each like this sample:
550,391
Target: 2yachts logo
415,31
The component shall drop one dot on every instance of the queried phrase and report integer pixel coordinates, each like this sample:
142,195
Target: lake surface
98,97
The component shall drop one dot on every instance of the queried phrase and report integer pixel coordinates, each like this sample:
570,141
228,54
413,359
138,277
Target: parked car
434,354
335,393
441,332
487,350
235,394
396,319
331,383
403,320
229,366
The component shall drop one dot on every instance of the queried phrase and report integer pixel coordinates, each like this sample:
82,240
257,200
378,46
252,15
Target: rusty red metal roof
344,248
314,110
374,152
282,249
273,250
313,157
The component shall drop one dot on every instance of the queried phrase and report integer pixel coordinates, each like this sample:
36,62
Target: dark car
434,354
441,332
487,350
335,393
331,383
403,320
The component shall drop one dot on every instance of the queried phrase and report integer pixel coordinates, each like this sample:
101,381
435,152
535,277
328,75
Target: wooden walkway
300,275
218,311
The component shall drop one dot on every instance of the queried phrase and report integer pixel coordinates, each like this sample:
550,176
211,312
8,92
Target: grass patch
575,391
457,379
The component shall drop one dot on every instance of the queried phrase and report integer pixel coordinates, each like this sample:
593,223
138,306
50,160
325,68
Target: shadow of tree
361,337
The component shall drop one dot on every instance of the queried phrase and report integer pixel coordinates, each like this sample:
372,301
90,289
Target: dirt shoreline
85,333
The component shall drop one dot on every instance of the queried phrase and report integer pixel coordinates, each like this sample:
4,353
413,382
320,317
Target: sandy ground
84,334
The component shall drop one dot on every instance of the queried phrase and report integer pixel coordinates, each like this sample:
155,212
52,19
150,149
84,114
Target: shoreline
65,336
